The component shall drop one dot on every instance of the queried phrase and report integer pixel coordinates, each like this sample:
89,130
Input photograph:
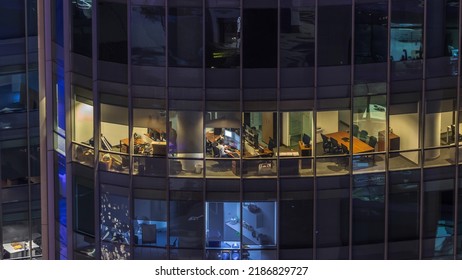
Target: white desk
19,252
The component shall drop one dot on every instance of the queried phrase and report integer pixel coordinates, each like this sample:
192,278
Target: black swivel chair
372,142
363,136
326,144
344,160
215,152
355,130
336,148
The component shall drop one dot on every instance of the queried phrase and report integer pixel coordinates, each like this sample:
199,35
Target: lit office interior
20,221
225,153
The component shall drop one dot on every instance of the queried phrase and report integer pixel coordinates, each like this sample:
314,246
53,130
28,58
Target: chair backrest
324,138
355,130
306,139
344,149
372,141
363,135
215,151
334,142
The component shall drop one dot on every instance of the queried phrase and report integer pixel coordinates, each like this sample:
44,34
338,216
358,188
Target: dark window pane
223,38
84,210
368,216
185,37
81,28
148,36
112,44
260,29
297,35
403,219
11,19
334,34
438,212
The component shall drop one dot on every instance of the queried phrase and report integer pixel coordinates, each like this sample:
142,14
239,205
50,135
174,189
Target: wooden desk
358,145
393,141
212,137
304,151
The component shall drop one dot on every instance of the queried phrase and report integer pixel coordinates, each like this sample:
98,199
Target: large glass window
442,37
81,27
114,220
403,215
148,35
368,216
406,49
332,228
223,37
297,23
223,143
185,36
296,219
113,44
438,213
334,36
150,222
260,39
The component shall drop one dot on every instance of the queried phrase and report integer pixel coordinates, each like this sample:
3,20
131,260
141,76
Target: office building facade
20,216
250,129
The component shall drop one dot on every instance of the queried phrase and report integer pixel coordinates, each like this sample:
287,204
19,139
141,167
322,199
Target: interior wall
83,126
328,121
406,126
114,132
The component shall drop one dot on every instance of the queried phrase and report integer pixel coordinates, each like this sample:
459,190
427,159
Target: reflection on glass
332,218
114,220
223,38
150,222
186,220
112,45
223,226
297,35
438,212
185,37
334,36
148,35
259,224
403,215
81,27
368,216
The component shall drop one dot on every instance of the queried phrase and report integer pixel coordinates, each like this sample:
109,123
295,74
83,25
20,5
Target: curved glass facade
263,129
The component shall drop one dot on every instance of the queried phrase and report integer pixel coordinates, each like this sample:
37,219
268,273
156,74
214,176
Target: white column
432,134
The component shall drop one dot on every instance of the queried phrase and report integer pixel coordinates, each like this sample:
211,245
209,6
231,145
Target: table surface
8,247
358,145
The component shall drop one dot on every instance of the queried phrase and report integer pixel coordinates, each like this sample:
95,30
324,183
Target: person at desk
221,147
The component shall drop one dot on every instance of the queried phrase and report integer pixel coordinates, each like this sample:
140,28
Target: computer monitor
237,140
306,139
228,133
217,131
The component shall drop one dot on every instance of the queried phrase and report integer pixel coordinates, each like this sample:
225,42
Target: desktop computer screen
228,133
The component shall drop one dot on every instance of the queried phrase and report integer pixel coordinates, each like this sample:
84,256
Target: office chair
326,144
344,160
336,148
363,136
215,152
372,141
355,130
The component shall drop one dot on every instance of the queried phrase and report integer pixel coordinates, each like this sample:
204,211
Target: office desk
159,147
19,249
303,150
212,137
358,145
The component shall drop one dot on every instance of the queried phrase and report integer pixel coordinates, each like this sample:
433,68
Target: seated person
221,147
